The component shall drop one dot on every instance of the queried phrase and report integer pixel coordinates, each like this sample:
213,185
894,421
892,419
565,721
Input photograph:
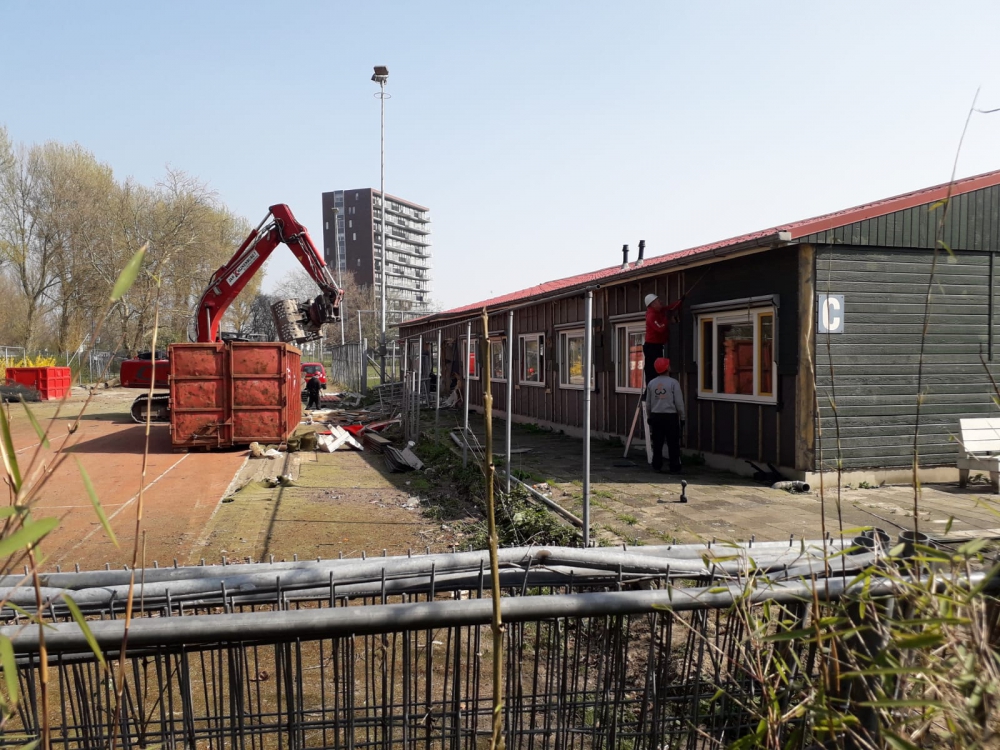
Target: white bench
979,450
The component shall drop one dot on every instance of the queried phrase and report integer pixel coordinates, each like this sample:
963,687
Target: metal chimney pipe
642,249
624,257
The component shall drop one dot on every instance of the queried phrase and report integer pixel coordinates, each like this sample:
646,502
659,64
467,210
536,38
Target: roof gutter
766,241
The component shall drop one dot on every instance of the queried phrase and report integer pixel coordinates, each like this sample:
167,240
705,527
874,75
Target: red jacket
657,331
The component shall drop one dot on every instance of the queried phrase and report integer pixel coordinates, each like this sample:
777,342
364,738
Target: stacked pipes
170,591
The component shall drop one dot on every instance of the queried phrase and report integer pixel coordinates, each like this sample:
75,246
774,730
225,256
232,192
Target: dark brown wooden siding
748,431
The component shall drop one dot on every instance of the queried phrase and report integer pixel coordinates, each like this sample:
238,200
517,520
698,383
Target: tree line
68,225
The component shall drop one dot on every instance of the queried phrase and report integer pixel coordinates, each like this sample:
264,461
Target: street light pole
340,268
380,77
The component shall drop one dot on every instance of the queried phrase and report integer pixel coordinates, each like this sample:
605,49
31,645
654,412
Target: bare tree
260,322
67,228
27,245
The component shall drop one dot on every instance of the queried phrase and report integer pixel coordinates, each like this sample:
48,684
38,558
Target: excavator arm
296,321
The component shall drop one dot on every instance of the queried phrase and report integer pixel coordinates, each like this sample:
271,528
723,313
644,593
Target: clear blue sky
542,135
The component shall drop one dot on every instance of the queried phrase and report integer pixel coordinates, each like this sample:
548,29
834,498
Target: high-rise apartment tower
408,247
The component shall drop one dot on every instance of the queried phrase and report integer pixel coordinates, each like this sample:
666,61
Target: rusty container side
199,396
293,389
262,375
233,393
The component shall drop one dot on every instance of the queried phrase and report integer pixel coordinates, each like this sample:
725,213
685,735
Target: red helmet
661,365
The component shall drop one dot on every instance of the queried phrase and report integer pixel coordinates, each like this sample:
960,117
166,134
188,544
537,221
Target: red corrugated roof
796,230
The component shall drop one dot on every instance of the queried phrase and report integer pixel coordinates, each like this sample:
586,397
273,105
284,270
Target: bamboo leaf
9,510
920,640
129,274
7,451
931,621
78,618
92,494
898,743
969,549
27,535
884,672
34,423
789,635
901,703
9,664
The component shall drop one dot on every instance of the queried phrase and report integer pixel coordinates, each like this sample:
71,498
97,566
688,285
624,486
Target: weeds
21,534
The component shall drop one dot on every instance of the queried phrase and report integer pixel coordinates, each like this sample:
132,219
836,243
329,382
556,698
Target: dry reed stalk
497,625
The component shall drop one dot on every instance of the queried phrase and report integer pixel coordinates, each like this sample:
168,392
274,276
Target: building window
354,235
736,355
628,357
350,223
498,360
571,360
532,367
473,358
326,225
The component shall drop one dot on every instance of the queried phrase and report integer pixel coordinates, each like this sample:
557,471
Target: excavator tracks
158,404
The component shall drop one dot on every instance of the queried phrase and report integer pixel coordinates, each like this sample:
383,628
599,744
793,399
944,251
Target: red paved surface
182,489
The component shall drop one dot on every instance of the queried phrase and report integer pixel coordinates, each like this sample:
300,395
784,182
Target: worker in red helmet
666,415
657,331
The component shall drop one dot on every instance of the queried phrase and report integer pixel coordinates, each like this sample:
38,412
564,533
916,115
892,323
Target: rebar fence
414,396
349,367
605,648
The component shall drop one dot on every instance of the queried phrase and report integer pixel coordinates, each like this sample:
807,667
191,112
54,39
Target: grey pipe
437,386
310,624
551,504
376,568
760,551
510,390
467,391
588,358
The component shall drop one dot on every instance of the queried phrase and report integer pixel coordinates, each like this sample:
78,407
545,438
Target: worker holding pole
657,332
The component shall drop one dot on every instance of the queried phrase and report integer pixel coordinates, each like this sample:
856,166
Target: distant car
311,369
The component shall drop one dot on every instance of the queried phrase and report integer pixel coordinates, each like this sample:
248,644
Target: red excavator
297,322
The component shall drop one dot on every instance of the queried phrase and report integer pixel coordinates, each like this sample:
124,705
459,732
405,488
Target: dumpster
50,382
226,393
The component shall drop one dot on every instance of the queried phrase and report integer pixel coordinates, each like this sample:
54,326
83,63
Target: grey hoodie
665,397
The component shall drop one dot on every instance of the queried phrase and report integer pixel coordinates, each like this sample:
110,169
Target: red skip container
233,393
50,382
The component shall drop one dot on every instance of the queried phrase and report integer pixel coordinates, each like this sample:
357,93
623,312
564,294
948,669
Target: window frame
539,339
502,342
708,354
564,336
628,327
475,364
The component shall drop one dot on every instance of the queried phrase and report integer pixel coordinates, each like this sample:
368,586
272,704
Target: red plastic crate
50,382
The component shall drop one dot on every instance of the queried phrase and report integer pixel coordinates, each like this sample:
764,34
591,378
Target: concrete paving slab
631,504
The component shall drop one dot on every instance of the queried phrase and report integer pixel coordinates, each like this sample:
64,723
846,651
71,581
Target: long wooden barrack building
789,339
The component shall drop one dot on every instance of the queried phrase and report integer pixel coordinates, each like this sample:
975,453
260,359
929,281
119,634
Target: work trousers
313,402
650,353
665,428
